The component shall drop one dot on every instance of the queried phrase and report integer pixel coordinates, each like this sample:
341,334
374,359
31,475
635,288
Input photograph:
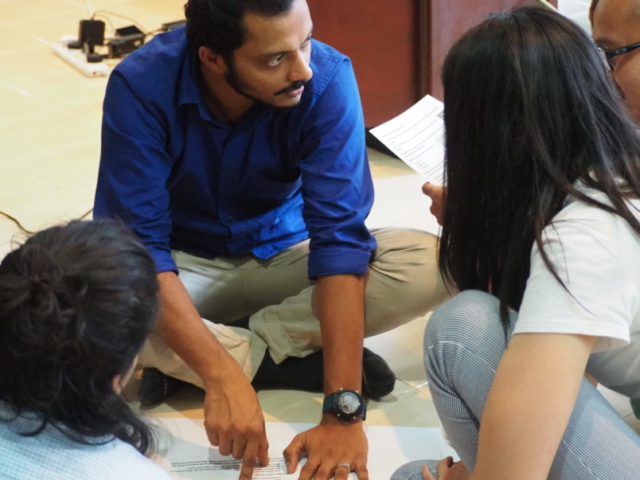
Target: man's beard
234,81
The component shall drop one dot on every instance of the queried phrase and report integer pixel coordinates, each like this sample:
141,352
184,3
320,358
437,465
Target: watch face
348,403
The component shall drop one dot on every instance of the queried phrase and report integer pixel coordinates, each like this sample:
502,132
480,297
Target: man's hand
326,446
234,421
232,415
447,470
436,193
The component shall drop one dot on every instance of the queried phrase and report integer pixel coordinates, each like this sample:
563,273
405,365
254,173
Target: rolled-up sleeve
134,169
336,180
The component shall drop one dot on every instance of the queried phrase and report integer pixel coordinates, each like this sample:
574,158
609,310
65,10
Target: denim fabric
464,343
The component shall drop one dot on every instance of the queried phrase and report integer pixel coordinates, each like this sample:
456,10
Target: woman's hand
447,470
436,193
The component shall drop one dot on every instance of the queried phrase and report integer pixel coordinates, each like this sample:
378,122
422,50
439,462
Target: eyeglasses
609,54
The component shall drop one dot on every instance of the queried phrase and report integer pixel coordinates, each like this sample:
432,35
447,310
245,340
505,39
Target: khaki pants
402,284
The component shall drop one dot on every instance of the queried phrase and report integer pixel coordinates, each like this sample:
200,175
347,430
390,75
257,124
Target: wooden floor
50,121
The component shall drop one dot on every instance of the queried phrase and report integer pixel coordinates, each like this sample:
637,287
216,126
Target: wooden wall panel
449,20
381,38
397,46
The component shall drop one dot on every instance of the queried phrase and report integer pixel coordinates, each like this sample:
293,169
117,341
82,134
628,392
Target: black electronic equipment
124,45
91,34
130,30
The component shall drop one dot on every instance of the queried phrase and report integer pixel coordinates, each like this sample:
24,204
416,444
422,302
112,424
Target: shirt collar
189,88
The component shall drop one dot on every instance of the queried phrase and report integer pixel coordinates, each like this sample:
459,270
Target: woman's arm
529,405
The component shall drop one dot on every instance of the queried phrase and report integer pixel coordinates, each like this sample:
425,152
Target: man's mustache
293,87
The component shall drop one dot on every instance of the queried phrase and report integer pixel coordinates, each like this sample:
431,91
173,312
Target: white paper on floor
184,450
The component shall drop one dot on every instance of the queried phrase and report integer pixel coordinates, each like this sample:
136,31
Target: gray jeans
464,343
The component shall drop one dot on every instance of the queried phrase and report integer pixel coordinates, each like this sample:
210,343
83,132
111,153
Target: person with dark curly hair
76,305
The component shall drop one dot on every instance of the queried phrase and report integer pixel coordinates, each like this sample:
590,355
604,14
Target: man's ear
212,61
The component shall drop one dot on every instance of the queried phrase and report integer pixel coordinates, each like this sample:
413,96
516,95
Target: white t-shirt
597,255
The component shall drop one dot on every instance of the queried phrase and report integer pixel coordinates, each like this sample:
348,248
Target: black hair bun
45,298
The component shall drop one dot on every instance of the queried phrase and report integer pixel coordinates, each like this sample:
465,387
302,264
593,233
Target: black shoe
156,387
292,374
240,323
378,380
307,374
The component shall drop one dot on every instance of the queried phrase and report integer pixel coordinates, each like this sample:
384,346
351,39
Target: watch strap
330,405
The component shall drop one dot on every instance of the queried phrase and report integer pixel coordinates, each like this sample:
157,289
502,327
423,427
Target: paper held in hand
417,138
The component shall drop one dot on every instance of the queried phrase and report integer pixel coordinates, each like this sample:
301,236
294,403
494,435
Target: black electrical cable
102,13
17,222
29,232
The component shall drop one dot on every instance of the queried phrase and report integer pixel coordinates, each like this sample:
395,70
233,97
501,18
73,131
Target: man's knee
406,263
405,243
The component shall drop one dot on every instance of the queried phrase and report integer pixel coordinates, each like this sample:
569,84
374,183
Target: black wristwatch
345,404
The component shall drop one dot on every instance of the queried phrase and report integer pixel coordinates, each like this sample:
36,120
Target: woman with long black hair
541,237
76,304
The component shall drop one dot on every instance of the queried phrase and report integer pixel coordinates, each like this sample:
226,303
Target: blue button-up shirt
183,179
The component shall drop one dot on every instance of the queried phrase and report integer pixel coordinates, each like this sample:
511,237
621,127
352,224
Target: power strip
77,59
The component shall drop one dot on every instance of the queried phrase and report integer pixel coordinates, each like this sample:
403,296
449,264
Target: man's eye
274,62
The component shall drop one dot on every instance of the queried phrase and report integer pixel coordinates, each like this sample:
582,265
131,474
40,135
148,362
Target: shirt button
228,180
229,218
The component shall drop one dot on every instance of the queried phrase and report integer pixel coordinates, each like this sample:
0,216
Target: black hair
219,24
76,304
529,110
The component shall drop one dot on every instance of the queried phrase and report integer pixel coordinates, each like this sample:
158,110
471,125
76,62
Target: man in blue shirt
225,147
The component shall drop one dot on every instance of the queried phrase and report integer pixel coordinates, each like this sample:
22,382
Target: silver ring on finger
344,465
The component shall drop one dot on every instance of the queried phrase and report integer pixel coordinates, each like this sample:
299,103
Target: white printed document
417,138
185,453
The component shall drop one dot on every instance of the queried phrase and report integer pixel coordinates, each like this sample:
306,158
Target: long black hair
529,110
76,304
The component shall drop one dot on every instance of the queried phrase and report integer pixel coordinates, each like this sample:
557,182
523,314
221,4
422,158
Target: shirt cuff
338,261
164,260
